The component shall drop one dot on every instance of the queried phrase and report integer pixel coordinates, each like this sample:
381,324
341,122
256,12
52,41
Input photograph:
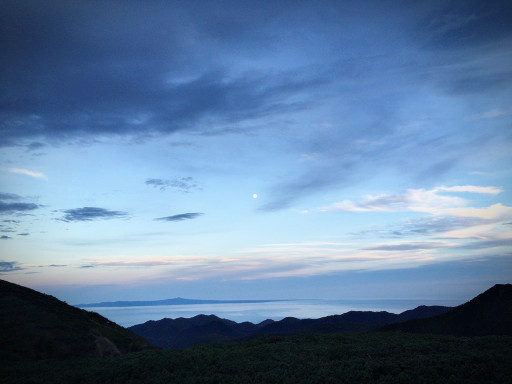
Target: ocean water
257,312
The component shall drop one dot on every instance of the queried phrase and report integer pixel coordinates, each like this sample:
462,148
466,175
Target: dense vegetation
38,326
375,357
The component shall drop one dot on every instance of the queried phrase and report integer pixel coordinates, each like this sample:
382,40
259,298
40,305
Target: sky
256,149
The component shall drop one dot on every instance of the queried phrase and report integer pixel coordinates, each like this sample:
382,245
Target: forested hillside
38,326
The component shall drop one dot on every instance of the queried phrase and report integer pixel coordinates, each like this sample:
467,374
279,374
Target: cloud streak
10,208
36,175
410,246
9,266
91,213
181,184
181,217
14,206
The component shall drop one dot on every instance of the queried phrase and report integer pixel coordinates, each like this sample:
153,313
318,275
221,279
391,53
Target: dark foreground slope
387,357
490,313
38,326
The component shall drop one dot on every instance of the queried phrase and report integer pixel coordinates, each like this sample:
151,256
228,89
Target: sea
260,311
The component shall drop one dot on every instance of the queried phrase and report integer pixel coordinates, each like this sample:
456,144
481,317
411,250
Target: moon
255,196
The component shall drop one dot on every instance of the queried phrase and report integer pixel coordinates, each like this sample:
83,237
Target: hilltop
38,326
489,313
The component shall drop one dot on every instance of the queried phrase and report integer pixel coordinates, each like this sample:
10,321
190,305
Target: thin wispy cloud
410,246
27,172
493,113
9,196
34,146
91,213
489,244
10,204
436,225
181,216
471,189
148,261
9,266
9,226
181,184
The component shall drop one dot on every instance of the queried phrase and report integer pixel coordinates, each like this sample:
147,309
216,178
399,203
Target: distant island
175,301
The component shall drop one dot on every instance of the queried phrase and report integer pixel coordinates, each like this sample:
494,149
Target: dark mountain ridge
489,313
182,332
36,326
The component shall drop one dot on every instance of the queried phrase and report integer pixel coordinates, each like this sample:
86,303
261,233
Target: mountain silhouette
182,332
35,326
489,313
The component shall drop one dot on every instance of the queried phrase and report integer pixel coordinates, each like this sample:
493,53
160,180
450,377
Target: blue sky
243,149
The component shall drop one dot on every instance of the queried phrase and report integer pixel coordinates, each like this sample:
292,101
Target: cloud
9,226
181,217
4,237
451,22
9,196
493,113
91,213
37,175
472,189
454,25
153,261
34,146
437,225
423,200
160,74
487,244
410,246
9,266
449,215
182,184
8,208
133,78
